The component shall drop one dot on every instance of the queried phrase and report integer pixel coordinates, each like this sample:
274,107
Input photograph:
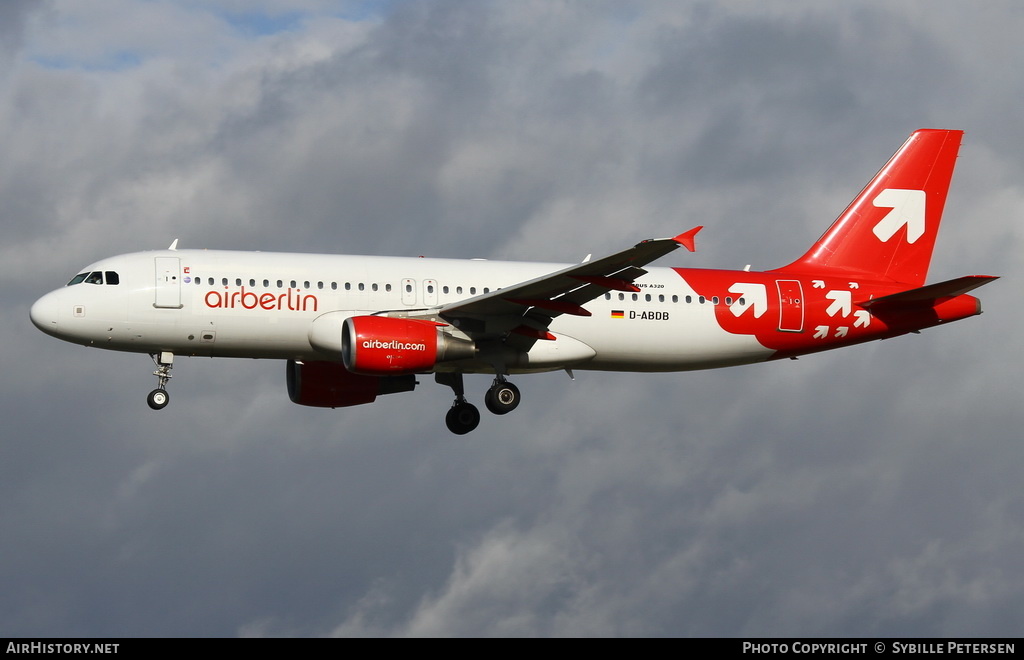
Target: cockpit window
95,277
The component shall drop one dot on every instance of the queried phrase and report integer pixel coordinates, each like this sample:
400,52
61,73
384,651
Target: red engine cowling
330,385
382,345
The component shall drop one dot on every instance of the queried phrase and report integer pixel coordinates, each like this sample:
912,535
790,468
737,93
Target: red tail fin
888,232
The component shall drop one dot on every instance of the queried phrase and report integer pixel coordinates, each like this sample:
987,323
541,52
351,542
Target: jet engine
382,345
331,385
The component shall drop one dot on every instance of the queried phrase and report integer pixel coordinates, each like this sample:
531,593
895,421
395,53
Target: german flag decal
618,314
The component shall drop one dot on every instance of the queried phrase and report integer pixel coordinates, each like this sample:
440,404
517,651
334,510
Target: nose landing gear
159,398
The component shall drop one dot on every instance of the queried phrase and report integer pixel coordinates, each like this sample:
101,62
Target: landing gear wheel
502,398
158,399
462,418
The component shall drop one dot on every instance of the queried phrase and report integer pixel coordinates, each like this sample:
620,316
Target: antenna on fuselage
174,245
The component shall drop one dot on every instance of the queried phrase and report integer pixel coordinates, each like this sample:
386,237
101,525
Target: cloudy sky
873,491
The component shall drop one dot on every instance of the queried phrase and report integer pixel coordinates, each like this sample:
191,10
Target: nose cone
44,314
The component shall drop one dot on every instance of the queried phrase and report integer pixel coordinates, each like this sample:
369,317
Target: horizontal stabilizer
928,296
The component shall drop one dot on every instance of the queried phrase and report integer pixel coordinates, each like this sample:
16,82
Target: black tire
158,399
462,418
502,398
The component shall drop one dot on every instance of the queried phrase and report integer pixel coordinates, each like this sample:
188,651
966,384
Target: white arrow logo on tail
752,295
842,301
841,331
821,332
907,210
863,318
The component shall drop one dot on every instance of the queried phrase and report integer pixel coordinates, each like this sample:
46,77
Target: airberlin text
394,345
291,300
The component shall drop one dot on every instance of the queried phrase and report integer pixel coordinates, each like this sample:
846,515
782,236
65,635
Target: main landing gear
159,398
503,397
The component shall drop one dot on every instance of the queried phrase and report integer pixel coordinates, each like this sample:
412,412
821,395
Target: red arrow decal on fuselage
797,312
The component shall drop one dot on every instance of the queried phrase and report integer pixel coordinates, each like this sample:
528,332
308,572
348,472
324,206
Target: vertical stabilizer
889,230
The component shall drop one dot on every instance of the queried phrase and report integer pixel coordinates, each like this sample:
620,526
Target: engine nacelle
330,385
382,345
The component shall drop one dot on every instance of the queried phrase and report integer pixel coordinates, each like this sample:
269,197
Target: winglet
686,238
174,245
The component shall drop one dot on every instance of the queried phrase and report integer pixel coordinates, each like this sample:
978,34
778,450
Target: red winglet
614,283
686,238
560,306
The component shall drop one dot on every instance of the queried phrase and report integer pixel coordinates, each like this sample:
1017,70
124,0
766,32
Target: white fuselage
263,305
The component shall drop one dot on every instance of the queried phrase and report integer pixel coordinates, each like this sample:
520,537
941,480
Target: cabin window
675,299
334,286
361,286
373,287
387,287
647,297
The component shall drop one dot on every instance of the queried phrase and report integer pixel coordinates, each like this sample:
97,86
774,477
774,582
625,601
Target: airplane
352,328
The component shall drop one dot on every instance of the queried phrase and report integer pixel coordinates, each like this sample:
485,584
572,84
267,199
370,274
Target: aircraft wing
537,301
